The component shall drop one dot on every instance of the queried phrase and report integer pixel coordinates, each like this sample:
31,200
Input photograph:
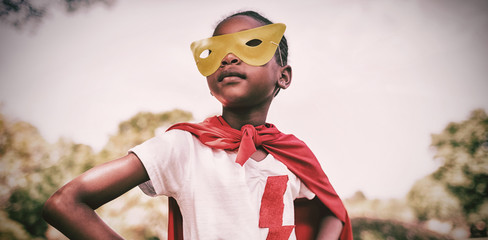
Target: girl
232,176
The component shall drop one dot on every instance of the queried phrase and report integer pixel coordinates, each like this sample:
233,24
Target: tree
463,150
430,199
457,191
19,13
21,151
31,170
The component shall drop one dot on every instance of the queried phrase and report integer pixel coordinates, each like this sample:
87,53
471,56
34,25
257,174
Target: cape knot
249,131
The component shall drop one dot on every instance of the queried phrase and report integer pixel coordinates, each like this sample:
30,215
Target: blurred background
392,97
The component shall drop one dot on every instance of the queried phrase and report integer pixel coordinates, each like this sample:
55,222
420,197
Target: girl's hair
283,46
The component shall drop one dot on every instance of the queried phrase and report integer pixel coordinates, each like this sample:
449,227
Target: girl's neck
238,117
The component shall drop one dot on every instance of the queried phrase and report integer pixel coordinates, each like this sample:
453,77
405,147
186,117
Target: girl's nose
230,59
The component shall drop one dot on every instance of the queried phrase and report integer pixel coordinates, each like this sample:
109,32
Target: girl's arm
71,208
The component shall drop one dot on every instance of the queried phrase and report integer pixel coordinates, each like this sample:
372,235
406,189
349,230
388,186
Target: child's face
237,84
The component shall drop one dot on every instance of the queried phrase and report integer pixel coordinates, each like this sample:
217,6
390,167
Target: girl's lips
226,74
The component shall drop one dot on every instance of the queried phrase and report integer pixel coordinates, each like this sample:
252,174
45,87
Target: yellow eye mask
254,46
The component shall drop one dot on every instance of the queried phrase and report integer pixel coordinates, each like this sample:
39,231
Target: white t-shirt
218,198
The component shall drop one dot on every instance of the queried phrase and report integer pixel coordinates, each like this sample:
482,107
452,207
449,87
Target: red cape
294,153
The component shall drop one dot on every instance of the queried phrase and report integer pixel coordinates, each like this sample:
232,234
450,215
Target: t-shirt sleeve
305,192
165,158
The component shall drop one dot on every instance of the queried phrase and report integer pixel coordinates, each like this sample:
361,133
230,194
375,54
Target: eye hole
205,53
254,43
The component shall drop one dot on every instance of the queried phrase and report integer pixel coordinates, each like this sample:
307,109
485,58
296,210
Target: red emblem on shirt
272,207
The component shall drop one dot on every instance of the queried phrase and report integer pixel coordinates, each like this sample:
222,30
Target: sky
372,80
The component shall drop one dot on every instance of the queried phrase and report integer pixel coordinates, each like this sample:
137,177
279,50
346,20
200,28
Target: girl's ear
285,78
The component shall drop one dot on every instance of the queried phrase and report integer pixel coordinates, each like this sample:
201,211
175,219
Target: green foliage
430,199
23,153
26,209
377,229
463,149
10,229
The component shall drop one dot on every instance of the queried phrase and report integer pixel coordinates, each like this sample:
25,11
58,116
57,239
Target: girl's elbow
53,207
58,204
